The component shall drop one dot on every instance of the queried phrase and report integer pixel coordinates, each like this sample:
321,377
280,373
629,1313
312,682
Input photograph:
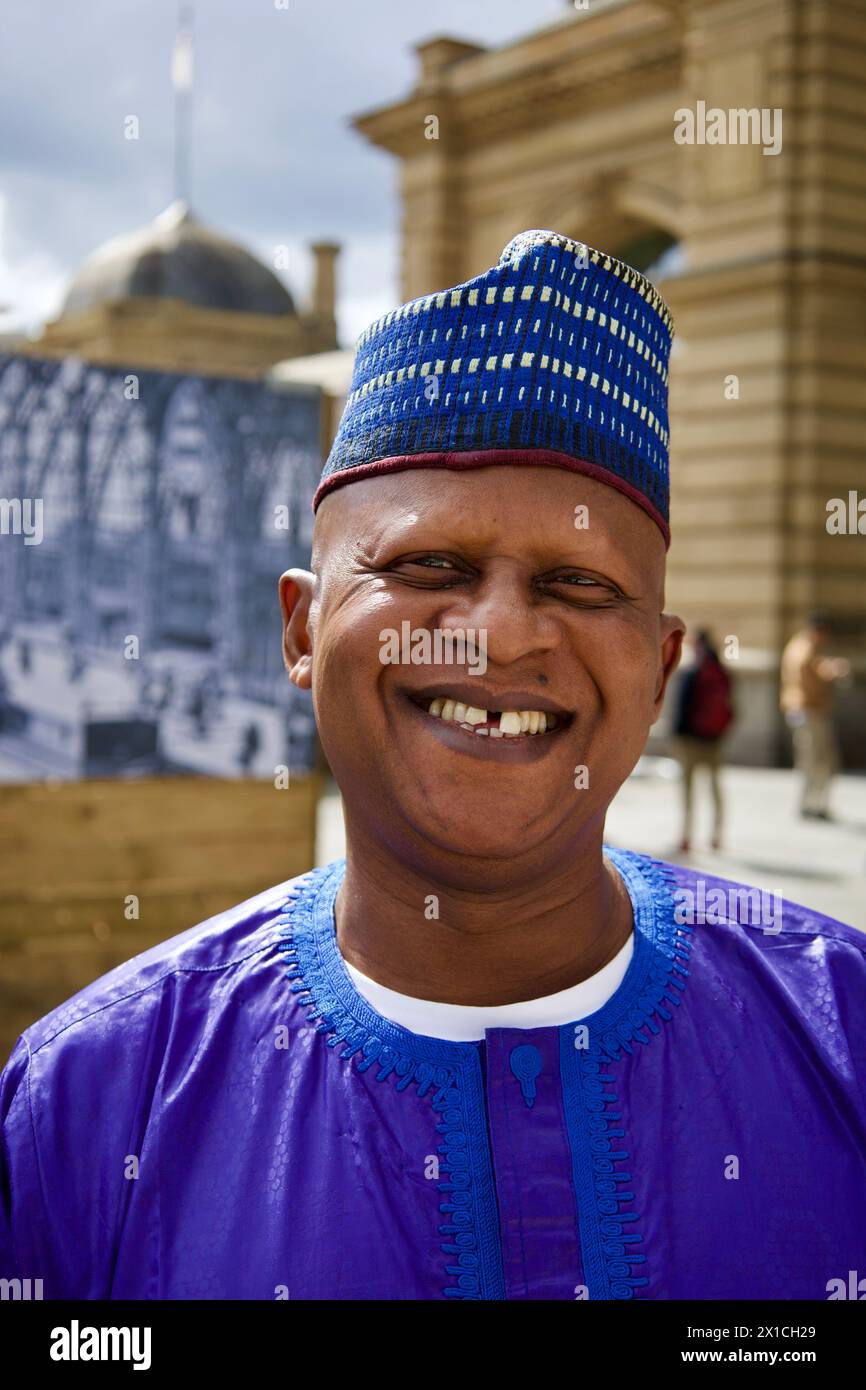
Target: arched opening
654,252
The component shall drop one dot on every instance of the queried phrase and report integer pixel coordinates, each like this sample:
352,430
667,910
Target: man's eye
429,561
428,571
591,590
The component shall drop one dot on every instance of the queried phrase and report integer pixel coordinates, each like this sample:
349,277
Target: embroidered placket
481,1259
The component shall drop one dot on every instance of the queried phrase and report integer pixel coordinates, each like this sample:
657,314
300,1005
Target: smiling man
485,1056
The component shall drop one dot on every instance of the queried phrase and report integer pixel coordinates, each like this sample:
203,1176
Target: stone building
759,251
177,296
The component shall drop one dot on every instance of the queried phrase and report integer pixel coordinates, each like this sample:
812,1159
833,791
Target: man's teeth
500,724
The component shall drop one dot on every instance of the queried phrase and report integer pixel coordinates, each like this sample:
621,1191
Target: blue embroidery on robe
450,1074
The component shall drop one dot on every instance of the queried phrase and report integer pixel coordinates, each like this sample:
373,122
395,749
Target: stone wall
572,128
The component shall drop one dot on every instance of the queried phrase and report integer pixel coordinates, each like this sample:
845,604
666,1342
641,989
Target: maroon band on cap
483,458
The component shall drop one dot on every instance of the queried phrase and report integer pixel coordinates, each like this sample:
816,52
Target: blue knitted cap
557,355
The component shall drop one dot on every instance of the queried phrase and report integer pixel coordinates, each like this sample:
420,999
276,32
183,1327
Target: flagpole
181,72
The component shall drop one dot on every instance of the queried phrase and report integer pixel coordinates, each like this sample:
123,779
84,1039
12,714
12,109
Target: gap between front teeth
512,723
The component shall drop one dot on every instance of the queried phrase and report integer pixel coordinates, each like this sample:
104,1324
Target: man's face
568,616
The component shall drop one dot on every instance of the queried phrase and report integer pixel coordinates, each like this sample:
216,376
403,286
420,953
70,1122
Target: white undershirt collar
468,1022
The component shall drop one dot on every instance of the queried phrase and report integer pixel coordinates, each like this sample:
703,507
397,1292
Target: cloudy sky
275,160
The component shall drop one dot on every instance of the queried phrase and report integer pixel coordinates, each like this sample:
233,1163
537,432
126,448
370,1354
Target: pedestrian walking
808,679
704,715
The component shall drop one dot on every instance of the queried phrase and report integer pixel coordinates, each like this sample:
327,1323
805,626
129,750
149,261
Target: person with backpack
704,715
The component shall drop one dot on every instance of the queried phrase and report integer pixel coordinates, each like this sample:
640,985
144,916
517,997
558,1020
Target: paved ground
766,845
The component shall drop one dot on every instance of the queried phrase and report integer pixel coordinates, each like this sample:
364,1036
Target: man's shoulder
759,944
215,946
727,923
792,974
704,898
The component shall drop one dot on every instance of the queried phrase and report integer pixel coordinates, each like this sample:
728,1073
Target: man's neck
415,932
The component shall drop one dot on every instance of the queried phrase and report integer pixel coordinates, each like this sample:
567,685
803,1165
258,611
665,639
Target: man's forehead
527,509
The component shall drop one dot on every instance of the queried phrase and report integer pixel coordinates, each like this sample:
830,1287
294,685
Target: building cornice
544,78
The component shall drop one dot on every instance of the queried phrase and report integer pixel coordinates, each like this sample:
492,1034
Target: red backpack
711,709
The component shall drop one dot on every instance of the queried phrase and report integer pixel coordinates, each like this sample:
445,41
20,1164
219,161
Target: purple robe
226,1117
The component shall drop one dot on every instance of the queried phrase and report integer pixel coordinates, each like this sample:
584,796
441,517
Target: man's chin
488,830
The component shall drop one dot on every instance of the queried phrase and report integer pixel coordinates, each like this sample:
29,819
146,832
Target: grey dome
176,257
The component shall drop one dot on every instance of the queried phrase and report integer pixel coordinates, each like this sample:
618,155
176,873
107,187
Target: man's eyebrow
619,569
418,535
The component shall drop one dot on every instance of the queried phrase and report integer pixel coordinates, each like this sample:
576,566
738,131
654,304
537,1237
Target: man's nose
510,620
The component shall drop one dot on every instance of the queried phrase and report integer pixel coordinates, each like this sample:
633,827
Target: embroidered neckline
450,1073
546,1011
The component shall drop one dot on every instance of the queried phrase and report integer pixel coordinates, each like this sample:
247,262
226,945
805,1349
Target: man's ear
296,596
673,630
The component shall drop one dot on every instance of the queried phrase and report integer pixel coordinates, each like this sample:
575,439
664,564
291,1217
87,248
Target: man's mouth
505,723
